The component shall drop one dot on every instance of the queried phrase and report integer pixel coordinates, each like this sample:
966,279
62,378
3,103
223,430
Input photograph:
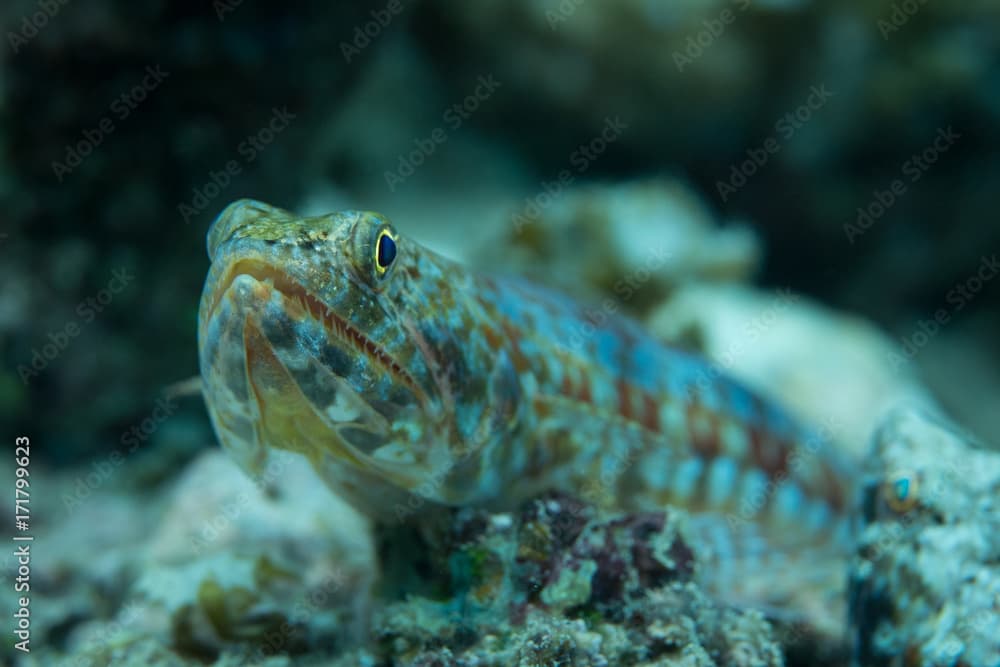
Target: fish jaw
282,370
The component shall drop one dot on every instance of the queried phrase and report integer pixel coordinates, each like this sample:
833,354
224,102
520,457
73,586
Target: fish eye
901,491
385,251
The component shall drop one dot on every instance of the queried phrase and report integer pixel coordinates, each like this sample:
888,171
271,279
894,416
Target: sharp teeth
341,330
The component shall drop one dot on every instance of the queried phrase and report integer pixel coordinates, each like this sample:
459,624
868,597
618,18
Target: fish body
407,379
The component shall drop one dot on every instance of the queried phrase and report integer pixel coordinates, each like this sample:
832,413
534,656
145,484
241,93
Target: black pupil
386,250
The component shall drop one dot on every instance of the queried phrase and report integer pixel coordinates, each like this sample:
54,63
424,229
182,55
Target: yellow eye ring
385,251
901,491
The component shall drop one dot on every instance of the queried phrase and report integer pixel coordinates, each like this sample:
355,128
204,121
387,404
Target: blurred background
851,147
804,191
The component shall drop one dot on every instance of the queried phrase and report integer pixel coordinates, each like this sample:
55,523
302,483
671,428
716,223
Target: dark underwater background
858,140
696,106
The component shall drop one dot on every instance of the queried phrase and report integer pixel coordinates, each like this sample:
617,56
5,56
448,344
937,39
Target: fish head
308,342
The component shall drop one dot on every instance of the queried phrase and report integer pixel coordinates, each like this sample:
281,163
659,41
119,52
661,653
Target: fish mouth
362,433
301,302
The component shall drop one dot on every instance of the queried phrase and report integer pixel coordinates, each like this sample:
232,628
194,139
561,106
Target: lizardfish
407,379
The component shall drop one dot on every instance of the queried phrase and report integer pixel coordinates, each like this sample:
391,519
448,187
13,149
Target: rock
87,550
559,582
582,61
274,564
633,242
925,579
215,565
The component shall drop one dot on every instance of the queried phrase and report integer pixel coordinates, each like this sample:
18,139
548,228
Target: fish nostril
244,215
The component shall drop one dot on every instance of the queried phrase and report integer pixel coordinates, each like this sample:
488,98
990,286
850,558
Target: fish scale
702,419
486,390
